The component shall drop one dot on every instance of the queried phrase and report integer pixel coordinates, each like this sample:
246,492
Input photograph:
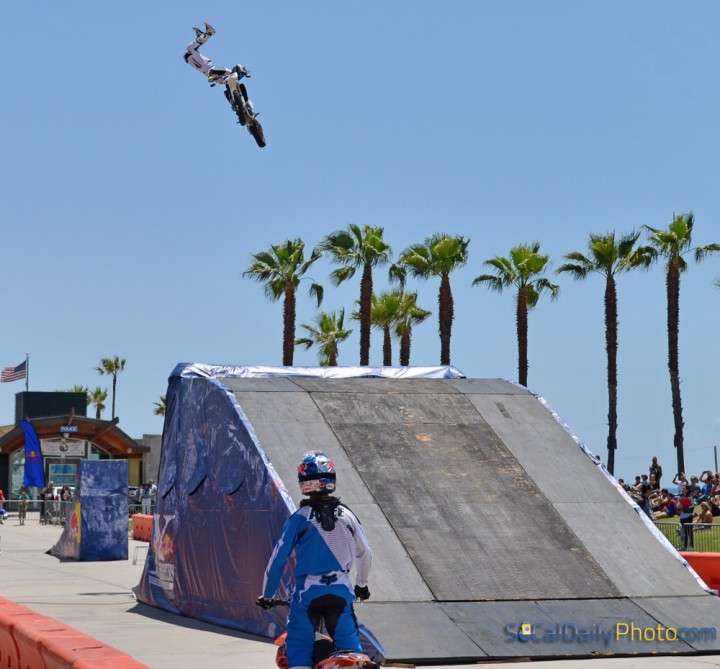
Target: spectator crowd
695,505
144,496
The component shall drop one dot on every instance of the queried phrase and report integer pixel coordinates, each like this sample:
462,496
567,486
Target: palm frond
397,274
490,280
577,271
342,274
702,252
318,292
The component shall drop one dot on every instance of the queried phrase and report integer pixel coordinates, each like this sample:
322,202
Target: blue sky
131,201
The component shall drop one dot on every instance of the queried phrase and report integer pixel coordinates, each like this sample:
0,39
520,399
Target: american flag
14,373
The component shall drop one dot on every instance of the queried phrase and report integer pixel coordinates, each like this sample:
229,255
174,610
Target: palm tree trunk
611,347
387,348
405,346
673,327
446,314
366,288
97,411
332,357
113,401
521,318
289,325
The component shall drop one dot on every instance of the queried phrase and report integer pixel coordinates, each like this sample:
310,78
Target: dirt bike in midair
237,96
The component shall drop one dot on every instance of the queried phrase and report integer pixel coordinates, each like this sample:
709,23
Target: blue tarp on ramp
221,503
219,508
97,525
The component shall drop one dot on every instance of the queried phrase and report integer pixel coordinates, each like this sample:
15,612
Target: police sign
64,429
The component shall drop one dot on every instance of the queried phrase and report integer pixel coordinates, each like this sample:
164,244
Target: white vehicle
57,492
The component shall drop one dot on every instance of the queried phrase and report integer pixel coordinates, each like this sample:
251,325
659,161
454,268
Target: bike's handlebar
361,594
266,604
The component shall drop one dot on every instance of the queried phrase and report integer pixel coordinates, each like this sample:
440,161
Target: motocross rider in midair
203,64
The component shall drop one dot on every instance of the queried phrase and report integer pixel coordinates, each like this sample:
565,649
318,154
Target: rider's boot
250,108
202,36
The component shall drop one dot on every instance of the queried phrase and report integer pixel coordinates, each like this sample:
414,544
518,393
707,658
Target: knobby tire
256,131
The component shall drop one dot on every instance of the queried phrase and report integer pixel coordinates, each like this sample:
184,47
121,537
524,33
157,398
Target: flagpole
27,372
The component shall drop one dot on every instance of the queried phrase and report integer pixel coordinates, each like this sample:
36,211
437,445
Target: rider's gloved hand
362,592
264,603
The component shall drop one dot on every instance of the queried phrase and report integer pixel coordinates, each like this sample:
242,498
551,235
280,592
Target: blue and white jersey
323,557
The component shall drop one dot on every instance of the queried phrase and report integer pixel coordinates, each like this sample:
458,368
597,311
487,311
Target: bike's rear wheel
256,131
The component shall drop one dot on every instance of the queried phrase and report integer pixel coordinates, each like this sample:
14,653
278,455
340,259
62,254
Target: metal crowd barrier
12,507
51,512
700,537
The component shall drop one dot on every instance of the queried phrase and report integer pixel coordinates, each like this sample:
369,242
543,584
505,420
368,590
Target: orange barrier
707,565
8,650
63,652
10,615
142,526
30,640
30,635
9,658
125,662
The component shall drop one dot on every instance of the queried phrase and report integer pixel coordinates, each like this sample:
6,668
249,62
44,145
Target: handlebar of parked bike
271,603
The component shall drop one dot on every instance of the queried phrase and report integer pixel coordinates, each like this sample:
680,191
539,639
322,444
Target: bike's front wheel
239,107
256,130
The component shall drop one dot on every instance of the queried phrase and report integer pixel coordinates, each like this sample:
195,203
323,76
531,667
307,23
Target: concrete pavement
96,598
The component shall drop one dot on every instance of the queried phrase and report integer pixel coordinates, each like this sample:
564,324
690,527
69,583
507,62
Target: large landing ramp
494,534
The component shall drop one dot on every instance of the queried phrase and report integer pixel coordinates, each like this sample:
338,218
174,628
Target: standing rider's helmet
316,473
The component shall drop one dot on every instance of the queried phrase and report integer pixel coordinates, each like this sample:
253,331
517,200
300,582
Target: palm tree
328,333
353,249
438,256
161,406
77,388
384,315
410,314
673,244
607,256
523,270
97,399
112,366
281,269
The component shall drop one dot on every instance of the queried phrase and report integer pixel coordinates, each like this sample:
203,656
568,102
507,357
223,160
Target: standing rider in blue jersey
327,539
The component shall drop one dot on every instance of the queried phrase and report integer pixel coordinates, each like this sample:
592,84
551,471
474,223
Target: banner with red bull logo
34,474
96,528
